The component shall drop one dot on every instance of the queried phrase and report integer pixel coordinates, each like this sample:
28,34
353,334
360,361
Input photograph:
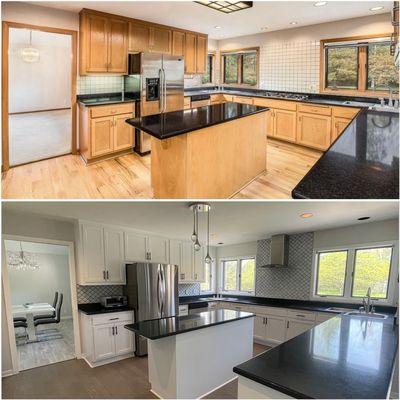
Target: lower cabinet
284,122
104,338
339,124
269,328
295,328
314,130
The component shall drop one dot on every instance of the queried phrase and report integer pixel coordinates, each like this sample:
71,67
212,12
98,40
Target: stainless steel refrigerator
161,87
152,290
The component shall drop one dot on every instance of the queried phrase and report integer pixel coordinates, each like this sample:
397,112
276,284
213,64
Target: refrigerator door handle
165,91
163,289
161,95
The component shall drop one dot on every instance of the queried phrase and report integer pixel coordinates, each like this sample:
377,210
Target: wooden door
186,269
314,130
158,249
102,136
124,137
275,329
201,54
114,257
96,43
135,247
104,343
178,43
93,253
339,124
139,37
199,269
270,122
285,125
295,328
161,40
124,343
118,46
190,53
259,331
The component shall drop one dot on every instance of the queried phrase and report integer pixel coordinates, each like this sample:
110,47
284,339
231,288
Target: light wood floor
128,177
126,379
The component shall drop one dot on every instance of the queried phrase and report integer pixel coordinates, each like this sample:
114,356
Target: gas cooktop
283,95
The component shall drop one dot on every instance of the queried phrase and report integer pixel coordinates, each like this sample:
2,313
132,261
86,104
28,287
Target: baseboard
66,317
9,372
218,387
108,361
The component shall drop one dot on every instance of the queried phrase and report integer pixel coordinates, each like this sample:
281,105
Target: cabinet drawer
344,112
112,318
186,102
183,309
280,312
243,100
314,109
109,110
299,314
227,97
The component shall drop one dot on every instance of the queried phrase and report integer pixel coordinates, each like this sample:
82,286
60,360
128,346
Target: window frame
350,269
240,52
210,54
362,75
212,280
238,259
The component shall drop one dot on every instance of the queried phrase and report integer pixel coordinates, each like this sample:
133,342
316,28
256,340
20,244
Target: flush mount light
227,6
320,3
378,8
293,23
217,27
363,218
306,215
264,28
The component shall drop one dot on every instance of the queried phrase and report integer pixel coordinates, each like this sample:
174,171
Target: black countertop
107,98
342,358
163,327
167,125
363,163
97,308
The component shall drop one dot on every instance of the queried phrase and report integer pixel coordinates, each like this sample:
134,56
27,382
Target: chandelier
22,260
30,54
201,208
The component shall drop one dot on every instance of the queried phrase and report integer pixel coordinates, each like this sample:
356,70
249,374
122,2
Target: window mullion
362,68
348,283
238,274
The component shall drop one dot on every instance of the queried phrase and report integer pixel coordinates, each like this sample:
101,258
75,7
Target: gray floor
38,354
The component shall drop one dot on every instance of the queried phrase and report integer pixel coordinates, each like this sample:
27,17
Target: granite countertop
107,98
343,358
97,308
363,163
163,327
167,125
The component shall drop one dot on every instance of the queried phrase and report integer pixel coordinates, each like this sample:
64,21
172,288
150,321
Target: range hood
279,251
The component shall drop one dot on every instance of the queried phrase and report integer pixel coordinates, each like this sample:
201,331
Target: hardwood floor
126,379
128,177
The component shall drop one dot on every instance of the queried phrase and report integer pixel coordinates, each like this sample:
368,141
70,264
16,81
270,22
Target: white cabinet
158,249
175,252
259,330
192,267
270,328
101,255
295,327
199,273
104,338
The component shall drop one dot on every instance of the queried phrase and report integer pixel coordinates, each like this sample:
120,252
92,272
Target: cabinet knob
195,276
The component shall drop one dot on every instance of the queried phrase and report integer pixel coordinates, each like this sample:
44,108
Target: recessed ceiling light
264,28
293,23
376,8
220,243
320,3
217,27
363,218
306,215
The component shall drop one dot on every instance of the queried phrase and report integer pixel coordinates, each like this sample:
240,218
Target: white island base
248,389
192,364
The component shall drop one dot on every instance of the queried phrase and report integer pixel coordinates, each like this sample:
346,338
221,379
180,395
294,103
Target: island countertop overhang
170,124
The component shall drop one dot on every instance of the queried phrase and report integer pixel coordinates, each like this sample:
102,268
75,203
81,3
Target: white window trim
392,298
213,280
221,275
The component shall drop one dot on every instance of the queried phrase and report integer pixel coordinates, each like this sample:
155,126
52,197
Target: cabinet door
158,249
161,40
123,132
102,136
118,46
139,37
259,327
339,124
285,125
186,269
201,54
275,329
124,342
190,53
199,272
314,130
104,343
135,247
295,328
96,43
175,252
178,43
114,255
93,253
270,123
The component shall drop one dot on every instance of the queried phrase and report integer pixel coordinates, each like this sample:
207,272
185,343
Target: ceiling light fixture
293,23
196,209
378,8
217,27
264,28
227,6
320,3
21,260
306,215
363,218
30,54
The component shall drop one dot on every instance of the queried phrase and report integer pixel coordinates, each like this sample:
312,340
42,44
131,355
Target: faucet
367,304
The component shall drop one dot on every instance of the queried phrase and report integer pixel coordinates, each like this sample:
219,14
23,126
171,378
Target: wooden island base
214,162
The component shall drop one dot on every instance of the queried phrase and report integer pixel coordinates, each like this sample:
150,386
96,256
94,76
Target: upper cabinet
139,37
190,53
161,40
201,54
178,43
103,44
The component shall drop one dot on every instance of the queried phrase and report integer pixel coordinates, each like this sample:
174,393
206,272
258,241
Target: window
238,275
207,285
359,65
208,75
240,67
348,273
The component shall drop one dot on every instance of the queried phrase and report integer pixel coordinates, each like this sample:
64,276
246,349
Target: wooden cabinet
284,125
103,130
103,44
339,124
190,53
178,43
139,37
160,40
314,130
295,328
186,103
201,54
143,248
243,100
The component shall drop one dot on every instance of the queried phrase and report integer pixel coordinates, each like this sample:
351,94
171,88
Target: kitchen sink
338,309
369,315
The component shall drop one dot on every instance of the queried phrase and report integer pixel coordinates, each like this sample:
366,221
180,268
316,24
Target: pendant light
197,245
208,259
30,54
201,208
194,234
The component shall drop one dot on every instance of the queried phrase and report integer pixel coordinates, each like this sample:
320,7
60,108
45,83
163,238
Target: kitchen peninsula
205,152
190,356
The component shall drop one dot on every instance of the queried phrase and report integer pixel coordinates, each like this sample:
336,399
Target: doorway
39,75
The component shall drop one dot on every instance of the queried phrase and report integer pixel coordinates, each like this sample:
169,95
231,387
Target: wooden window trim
362,69
212,69
240,77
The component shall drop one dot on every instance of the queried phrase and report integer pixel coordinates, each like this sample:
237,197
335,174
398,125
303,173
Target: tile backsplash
189,289
99,84
92,294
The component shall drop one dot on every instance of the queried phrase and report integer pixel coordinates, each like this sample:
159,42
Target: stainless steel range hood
279,251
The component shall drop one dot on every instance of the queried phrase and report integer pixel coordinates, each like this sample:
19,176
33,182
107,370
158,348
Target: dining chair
21,324
19,319
53,314
52,320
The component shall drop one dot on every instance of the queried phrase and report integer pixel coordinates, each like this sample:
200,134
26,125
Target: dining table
30,310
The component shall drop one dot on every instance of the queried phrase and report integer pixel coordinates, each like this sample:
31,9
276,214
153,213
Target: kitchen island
190,356
205,152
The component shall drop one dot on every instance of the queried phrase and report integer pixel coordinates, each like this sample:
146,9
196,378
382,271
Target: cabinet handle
116,330
300,315
107,275
263,320
104,275
182,276
266,321
149,255
287,324
113,319
113,331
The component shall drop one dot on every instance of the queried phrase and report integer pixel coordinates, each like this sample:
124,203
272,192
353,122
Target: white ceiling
38,248
231,222
276,15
